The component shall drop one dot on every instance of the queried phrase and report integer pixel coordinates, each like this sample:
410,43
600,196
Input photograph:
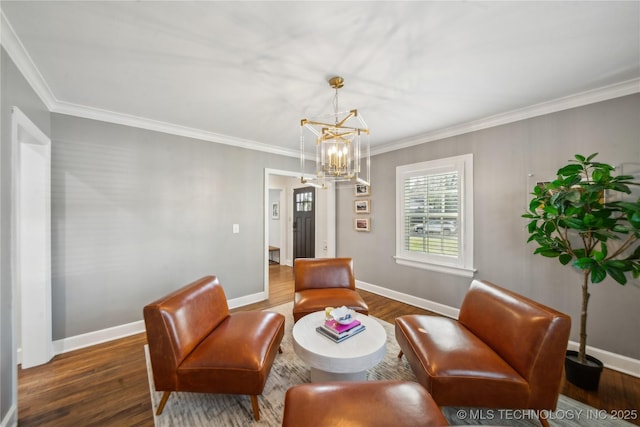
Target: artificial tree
581,219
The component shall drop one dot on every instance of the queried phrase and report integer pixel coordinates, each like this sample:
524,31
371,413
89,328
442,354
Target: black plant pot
584,375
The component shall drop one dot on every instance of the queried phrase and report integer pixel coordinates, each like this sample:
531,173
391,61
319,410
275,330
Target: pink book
340,328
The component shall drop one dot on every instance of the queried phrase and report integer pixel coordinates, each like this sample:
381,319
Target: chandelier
342,144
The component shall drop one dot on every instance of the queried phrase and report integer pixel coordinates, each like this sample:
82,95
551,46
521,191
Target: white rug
199,409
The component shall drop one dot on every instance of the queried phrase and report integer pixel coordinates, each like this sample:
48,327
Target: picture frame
362,206
362,224
275,210
361,189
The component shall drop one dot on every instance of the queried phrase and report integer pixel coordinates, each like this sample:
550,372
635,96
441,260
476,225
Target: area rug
199,410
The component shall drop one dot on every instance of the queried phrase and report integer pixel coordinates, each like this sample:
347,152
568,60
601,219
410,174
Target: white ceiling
247,72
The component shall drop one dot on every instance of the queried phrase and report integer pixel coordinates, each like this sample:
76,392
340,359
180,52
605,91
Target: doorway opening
31,240
279,232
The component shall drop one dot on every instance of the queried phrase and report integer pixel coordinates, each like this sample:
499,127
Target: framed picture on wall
361,190
275,210
362,206
362,224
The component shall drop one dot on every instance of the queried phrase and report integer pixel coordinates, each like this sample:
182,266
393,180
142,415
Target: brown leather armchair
504,351
366,403
325,282
196,345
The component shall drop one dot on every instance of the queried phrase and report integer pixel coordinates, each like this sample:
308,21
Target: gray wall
136,214
503,158
15,92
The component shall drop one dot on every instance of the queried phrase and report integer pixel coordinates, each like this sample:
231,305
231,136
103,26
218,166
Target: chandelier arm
351,114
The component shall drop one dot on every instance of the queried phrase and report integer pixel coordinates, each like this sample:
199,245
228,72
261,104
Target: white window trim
463,264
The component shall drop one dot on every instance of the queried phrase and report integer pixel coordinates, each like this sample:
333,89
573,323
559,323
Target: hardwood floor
106,384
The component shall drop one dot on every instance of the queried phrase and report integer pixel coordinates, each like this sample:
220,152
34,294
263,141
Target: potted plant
581,219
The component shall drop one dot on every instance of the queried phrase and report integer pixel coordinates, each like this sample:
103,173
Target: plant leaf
570,170
617,275
574,223
565,259
585,263
623,188
598,274
597,175
573,196
549,253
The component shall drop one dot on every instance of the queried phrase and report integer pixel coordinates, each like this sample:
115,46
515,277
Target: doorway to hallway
323,231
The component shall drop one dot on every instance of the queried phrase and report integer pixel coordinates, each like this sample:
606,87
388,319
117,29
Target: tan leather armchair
196,345
504,351
366,403
325,282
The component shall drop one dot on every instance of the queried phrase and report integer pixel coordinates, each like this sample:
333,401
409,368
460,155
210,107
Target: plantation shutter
431,213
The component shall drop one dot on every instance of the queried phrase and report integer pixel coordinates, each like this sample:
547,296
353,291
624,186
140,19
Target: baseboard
617,362
11,419
248,299
624,364
97,337
425,304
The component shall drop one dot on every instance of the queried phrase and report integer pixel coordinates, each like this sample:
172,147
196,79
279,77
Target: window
434,222
304,201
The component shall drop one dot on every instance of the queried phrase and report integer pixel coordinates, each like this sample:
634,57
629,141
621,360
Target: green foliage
579,219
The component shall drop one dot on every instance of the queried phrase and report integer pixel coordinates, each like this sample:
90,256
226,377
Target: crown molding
166,127
27,67
23,61
617,90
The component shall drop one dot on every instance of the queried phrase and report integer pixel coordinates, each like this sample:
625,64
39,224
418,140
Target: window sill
448,269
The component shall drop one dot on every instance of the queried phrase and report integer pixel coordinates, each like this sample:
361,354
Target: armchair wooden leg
163,402
280,349
400,354
256,408
544,422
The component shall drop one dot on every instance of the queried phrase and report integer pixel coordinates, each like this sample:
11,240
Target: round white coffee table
344,361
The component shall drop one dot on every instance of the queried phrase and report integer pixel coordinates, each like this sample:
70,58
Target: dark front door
304,224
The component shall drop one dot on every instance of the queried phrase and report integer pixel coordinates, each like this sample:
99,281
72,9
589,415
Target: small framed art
362,206
362,224
361,190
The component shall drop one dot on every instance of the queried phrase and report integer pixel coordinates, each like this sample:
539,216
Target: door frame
326,212
32,316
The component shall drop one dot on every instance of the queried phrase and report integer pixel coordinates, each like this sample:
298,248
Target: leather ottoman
361,403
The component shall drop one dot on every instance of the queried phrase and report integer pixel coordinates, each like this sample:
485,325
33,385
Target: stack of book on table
339,332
